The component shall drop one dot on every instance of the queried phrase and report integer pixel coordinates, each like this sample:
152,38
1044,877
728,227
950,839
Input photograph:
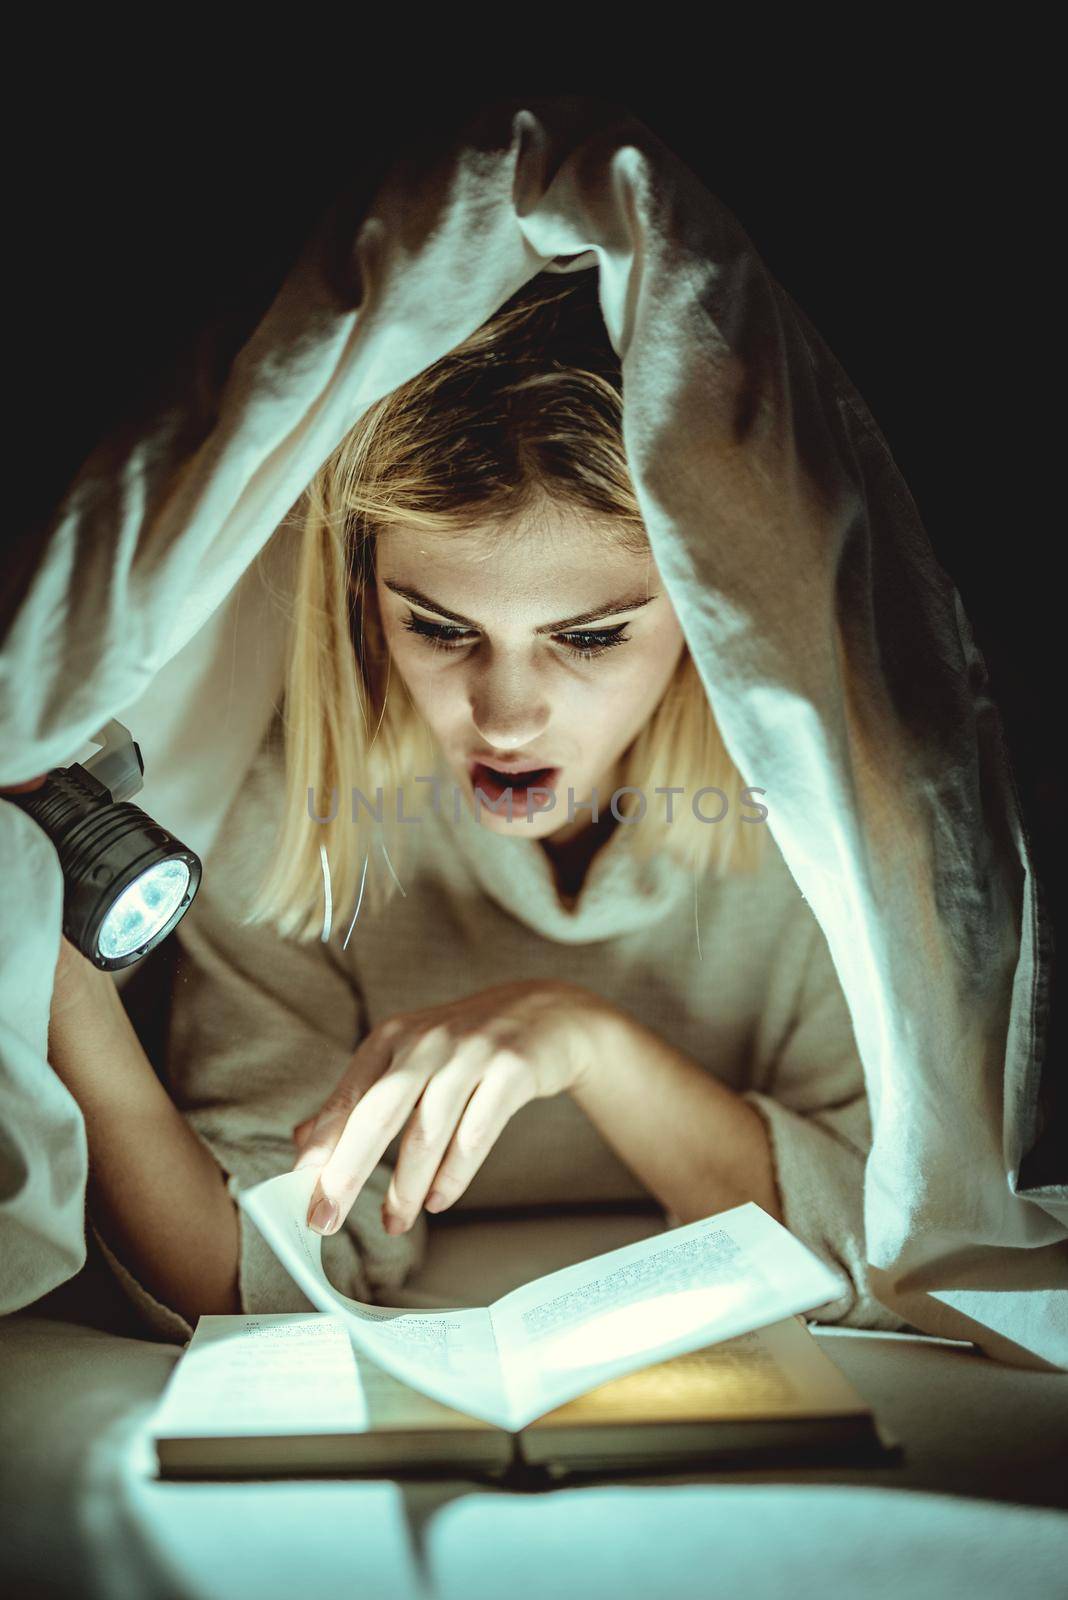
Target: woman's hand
455,1074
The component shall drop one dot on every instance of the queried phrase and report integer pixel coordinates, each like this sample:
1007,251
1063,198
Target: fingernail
324,1217
392,1223
434,1200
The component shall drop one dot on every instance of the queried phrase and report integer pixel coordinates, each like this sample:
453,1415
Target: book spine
520,1474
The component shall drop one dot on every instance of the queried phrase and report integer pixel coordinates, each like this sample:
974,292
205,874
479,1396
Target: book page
775,1372
451,1355
288,1373
710,1280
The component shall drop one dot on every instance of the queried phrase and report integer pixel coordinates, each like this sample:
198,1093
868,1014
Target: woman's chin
523,822
539,826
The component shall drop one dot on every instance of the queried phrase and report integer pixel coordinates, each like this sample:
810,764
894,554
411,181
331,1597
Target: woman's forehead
507,574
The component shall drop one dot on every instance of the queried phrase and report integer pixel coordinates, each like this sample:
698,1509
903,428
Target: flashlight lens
143,908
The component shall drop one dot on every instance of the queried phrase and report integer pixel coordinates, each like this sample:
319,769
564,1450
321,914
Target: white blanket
835,650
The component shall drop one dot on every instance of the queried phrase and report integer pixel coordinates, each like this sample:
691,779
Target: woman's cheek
417,665
623,699
434,691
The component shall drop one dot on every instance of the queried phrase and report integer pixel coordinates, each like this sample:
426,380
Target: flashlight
127,881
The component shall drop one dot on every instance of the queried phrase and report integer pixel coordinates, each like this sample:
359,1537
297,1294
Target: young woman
493,921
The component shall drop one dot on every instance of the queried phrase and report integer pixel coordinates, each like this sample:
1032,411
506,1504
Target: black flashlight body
103,846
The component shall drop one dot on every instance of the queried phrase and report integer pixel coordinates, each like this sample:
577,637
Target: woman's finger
369,1061
430,1128
377,1120
501,1093
372,1125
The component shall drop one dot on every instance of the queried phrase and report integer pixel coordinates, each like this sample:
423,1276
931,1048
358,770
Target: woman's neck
570,858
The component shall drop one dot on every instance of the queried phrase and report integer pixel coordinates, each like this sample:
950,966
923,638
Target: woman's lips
493,785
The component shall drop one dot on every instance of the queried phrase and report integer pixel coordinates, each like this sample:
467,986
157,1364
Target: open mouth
493,784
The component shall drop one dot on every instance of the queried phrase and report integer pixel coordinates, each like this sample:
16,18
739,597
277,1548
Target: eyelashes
585,643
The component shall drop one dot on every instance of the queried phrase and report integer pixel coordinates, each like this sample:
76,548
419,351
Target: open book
659,1339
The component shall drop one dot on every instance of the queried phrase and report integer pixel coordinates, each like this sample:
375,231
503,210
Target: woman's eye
585,644
438,634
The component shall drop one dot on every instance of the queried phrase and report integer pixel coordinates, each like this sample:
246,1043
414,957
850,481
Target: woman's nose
508,709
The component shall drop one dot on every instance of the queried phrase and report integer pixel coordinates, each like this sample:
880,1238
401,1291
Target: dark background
907,217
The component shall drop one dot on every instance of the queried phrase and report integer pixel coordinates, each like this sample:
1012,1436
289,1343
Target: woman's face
544,648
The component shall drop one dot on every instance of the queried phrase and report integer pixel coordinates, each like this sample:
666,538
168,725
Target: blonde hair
526,411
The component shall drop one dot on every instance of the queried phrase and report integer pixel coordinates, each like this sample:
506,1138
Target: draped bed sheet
834,648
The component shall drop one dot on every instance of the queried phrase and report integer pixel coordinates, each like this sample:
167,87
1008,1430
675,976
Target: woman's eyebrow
632,602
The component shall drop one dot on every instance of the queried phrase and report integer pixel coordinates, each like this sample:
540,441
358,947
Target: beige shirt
735,972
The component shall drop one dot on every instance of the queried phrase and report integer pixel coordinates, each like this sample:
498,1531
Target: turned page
714,1279
450,1355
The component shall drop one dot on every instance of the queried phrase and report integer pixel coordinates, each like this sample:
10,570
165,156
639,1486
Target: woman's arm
159,1197
695,1144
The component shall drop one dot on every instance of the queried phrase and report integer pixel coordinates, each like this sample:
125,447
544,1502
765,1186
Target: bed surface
976,1506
